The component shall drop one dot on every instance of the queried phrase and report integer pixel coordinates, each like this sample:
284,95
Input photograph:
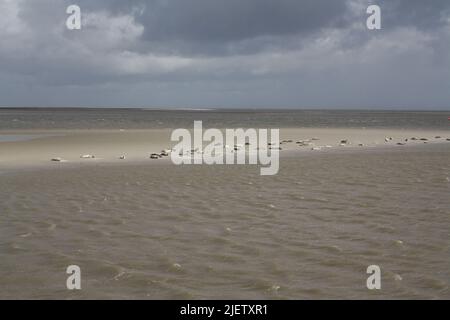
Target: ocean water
159,231
199,232
63,118
19,137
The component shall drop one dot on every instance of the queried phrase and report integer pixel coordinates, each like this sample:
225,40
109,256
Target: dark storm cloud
310,53
237,20
218,27
230,20
204,21
421,14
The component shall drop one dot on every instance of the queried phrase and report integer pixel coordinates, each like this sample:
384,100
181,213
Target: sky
226,54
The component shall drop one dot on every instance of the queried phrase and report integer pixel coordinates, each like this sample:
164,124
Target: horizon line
255,109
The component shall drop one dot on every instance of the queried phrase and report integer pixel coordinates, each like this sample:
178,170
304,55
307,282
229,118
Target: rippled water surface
64,118
195,232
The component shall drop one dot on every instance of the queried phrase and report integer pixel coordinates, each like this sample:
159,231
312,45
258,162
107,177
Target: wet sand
136,145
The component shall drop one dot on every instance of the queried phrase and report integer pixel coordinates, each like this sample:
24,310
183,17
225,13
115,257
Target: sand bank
124,146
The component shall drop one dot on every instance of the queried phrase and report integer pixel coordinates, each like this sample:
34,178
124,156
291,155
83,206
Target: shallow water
18,137
196,232
64,118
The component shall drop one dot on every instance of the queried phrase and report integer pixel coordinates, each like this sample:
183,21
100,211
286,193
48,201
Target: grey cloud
268,53
427,15
236,20
218,27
